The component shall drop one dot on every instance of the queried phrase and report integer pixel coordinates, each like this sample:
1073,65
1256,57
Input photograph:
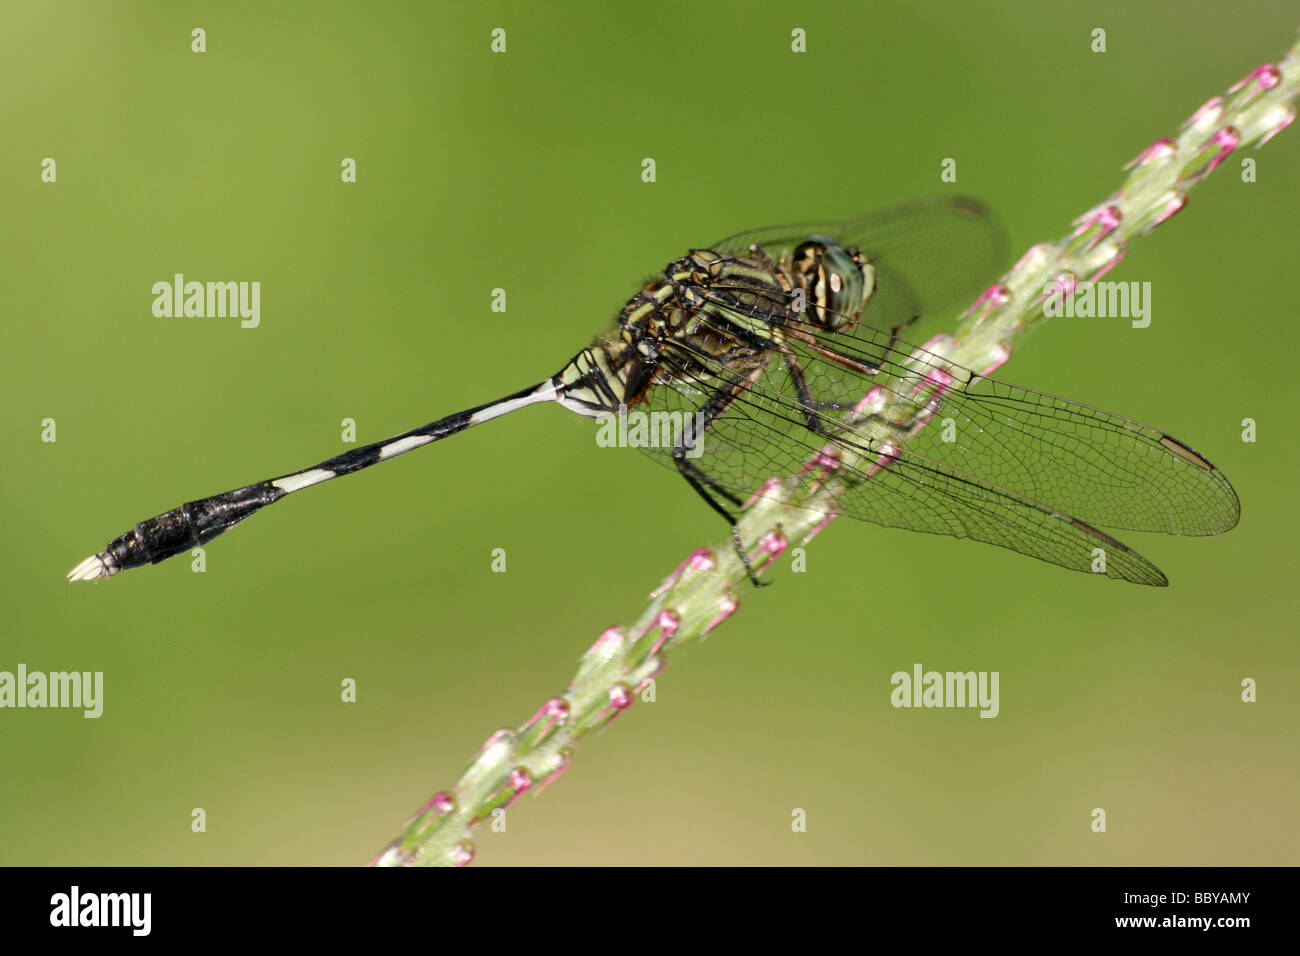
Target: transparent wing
1104,468
1023,470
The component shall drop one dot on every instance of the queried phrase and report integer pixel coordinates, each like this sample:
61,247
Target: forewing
1101,467
762,434
1023,470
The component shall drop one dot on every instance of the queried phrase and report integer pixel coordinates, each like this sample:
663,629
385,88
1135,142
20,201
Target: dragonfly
768,346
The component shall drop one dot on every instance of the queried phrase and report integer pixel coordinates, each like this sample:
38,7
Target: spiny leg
808,405
698,479
702,483
835,357
893,334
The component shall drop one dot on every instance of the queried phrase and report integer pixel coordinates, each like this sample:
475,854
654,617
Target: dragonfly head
837,280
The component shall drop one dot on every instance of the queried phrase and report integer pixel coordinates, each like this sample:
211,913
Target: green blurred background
522,171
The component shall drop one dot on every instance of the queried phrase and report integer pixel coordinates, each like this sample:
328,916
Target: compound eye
844,288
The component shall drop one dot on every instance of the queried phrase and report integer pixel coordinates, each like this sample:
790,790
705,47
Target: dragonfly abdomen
603,377
189,526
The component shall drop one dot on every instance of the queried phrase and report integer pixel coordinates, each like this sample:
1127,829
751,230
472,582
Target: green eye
837,282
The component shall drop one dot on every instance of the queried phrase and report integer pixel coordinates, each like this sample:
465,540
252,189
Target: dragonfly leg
705,487
744,559
698,479
808,405
894,330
